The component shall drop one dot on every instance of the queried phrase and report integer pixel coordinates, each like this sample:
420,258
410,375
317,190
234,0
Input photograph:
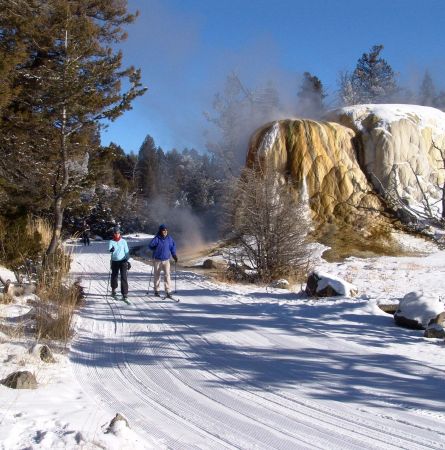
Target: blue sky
186,49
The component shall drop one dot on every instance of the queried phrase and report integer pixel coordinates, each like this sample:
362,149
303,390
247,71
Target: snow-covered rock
418,309
320,284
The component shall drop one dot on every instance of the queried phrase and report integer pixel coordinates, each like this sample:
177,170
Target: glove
175,258
111,250
128,265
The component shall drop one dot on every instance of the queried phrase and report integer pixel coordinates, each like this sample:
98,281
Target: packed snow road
241,367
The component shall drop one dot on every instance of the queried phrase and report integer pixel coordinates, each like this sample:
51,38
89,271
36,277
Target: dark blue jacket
162,247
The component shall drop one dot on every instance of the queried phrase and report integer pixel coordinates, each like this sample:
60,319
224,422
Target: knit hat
162,227
117,230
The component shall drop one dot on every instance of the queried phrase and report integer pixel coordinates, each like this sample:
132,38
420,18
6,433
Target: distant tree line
128,189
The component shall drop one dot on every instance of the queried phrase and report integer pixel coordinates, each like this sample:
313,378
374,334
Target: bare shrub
270,225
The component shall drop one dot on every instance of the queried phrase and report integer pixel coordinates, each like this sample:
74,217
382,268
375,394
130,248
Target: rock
397,147
281,284
440,319
15,290
209,264
418,309
43,352
323,156
320,284
20,380
434,331
117,421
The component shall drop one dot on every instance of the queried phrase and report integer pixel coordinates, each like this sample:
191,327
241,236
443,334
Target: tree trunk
443,201
57,226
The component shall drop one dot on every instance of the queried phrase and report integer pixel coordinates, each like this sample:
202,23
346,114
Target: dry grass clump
23,242
54,320
5,299
59,298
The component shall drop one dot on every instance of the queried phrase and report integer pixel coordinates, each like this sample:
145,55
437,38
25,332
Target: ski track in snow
184,374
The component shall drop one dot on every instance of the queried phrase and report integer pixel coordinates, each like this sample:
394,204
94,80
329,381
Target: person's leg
114,274
157,274
167,281
124,279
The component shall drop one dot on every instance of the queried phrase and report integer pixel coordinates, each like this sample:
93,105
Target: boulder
434,331
42,352
418,309
320,284
20,380
118,421
209,264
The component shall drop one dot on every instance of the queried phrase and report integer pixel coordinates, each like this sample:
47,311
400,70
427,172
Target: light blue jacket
121,251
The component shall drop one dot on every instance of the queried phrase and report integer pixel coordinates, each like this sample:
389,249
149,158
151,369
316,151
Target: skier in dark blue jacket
163,246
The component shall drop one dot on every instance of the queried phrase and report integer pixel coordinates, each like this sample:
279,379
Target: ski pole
175,279
108,281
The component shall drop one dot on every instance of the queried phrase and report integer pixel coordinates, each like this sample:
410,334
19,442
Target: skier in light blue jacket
120,254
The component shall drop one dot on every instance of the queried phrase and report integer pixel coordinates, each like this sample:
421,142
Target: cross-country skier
163,246
118,248
86,234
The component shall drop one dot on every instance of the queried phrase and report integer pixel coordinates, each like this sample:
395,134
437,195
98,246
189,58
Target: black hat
117,230
162,227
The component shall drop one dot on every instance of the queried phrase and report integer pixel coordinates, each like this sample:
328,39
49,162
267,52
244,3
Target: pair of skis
120,297
165,297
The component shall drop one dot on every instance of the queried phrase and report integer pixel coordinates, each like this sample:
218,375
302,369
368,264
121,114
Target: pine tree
427,91
373,80
149,168
311,96
69,82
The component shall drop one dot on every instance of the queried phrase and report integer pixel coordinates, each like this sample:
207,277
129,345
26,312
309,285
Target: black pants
121,266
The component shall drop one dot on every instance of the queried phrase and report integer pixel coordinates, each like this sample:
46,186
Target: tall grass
23,245
60,296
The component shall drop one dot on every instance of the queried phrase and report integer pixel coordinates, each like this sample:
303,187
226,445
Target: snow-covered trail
226,369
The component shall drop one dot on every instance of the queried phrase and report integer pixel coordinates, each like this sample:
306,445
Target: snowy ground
235,366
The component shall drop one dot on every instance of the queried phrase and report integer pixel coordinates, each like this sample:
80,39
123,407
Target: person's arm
127,251
111,247
173,249
154,242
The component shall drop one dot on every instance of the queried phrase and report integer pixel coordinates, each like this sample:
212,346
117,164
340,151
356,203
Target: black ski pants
122,267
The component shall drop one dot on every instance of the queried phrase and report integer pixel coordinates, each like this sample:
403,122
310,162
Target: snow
422,116
234,366
421,306
269,140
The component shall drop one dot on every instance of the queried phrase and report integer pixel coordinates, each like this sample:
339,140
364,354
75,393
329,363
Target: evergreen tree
69,82
427,91
439,101
373,80
149,168
311,96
